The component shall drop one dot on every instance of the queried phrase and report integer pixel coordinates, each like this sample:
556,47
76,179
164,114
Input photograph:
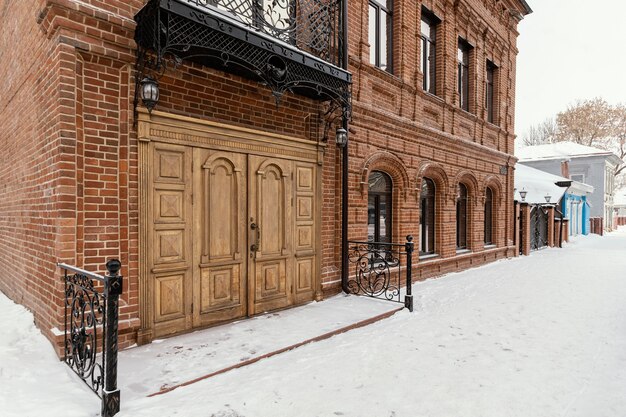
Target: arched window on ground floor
379,207
427,217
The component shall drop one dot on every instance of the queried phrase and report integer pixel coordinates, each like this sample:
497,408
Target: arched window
461,216
427,217
379,207
488,216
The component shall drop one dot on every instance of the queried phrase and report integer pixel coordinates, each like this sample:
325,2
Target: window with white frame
380,17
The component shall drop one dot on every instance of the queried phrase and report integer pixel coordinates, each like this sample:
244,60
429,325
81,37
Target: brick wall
409,134
32,183
69,188
70,192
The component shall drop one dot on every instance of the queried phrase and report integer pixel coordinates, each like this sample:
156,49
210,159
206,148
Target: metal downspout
344,163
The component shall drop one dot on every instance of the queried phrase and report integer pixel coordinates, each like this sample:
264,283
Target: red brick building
225,200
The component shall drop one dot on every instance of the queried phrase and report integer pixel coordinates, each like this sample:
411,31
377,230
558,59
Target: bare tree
544,132
618,138
588,122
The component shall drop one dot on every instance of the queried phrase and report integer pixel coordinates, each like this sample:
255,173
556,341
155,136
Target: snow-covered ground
543,335
33,382
166,363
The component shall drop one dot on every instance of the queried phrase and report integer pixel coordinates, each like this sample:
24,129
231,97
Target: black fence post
409,246
112,291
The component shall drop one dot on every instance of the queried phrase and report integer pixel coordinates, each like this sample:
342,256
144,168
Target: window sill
428,257
432,97
462,251
493,125
467,113
390,75
490,246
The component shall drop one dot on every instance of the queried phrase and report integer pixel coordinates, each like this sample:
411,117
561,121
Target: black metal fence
520,232
91,325
538,227
377,270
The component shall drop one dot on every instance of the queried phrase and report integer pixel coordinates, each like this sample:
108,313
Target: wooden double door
231,234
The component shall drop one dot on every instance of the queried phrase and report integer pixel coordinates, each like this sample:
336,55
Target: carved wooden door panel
305,234
170,238
220,237
270,223
230,235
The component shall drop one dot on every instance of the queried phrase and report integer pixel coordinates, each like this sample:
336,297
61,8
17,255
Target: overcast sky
569,50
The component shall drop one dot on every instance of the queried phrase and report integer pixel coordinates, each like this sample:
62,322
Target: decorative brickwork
70,186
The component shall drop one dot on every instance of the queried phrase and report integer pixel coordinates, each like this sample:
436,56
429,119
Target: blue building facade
576,208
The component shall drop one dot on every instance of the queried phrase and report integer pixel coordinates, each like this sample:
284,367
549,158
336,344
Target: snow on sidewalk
33,382
543,335
165,363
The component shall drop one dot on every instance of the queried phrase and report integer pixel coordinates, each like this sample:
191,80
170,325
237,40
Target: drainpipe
344,161
344,212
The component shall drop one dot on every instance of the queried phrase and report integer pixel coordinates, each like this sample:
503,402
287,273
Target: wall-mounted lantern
341,137
149,92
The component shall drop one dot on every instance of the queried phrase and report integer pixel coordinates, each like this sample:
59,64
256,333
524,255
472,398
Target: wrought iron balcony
289,45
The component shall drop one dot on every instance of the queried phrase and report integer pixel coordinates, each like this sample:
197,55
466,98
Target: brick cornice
87,24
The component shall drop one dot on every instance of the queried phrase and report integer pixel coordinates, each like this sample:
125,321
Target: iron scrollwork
310,25
538,227
85,317
286,45
376,270
91,327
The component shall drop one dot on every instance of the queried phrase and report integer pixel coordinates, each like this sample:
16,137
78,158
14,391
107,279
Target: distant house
537,194
535,186
575,206
619,204
619,208
585,165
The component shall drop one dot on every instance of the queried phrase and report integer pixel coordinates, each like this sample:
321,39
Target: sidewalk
167,363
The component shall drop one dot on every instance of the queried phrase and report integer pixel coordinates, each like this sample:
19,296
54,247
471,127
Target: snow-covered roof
580,188
559,150
537,185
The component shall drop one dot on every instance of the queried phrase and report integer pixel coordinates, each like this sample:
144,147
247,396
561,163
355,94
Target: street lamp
523,194
341,137
149,92
548,197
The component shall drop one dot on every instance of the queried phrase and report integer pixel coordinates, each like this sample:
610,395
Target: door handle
257,243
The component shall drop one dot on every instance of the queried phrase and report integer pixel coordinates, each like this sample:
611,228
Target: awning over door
288,45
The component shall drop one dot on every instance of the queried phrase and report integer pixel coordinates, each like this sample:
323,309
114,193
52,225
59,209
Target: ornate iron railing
287,45
91,325
313,26
377,268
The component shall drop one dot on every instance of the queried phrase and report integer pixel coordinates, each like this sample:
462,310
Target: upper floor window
488,216
428,56
463,74
490,92
578,177
461,216
427,217
609,181
379,203
380,12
